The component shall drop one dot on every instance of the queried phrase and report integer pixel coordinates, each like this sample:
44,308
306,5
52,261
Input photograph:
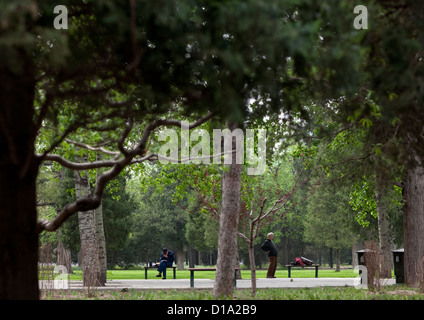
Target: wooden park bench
316,266
155,267
208,269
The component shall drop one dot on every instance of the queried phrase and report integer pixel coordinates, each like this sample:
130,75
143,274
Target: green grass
185,274
394,292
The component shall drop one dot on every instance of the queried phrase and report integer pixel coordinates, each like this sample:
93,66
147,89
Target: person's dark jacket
169,260
268,245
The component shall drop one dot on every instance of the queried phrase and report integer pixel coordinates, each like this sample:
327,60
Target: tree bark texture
18,172
88,235
101,242
64,256
180,258
252,262
337,259
18,237
385,240
413,220
228,224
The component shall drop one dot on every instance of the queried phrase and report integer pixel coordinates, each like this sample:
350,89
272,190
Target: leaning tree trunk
227,235
385,242
88,235
18,172
413,222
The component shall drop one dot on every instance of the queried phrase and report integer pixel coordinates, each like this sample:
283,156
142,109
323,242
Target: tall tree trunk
228,223
88,235
101,243
191,257
413,222
18,172
63,255
385,241
101,240
238,272
337,260
199,258
252,263
18,237
180,258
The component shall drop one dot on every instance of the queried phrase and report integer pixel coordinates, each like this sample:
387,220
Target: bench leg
145,273
316,272
235,279
174,273
191,278
289,272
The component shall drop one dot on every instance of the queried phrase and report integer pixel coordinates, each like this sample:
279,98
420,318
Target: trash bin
361,260
399,265
361,257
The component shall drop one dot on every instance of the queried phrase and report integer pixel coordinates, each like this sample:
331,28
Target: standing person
270,247
166,260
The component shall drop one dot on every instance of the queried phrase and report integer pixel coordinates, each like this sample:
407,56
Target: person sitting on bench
166,261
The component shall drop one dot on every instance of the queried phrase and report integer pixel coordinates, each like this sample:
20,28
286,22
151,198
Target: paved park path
142,284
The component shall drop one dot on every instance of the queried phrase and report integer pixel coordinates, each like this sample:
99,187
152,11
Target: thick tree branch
93,201
45,204
124,136
241,235
93,148
80,166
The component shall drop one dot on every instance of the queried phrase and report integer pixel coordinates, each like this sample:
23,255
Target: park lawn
394,292
246,274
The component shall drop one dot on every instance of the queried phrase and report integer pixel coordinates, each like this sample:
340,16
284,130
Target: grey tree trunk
199,258
385,240
337,259
252,262
63,256
228,223
101,242
180,258
413,220
87,228
191,257
238,272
